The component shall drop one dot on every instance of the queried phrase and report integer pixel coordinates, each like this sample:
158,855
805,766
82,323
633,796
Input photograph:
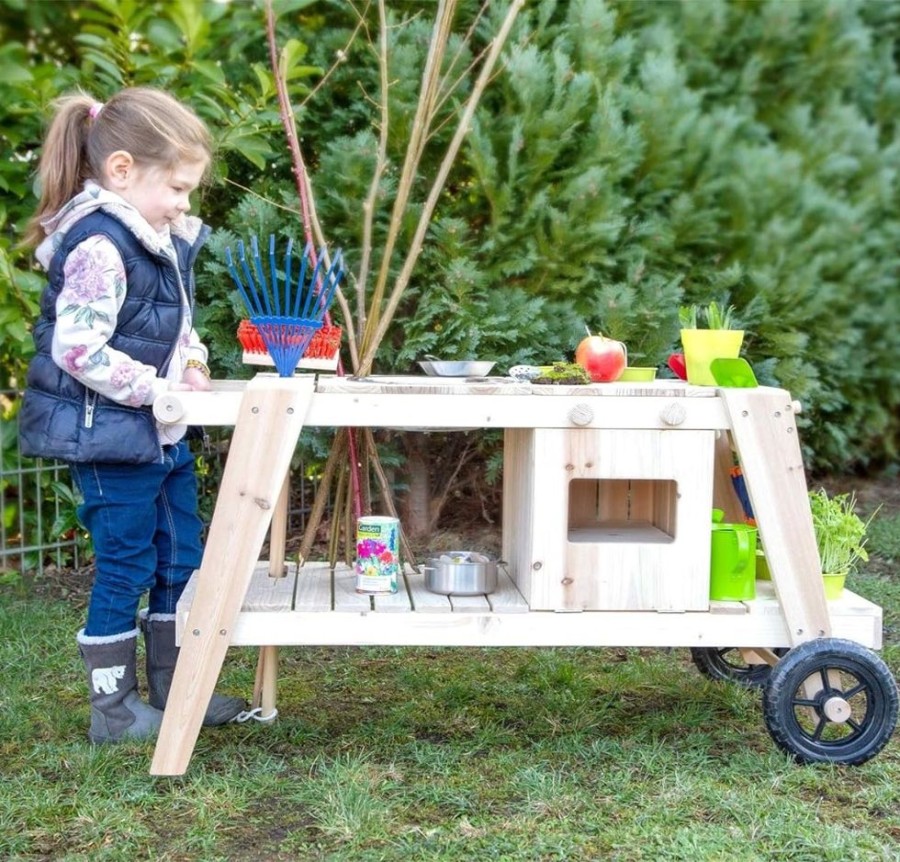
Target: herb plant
714,315
840,532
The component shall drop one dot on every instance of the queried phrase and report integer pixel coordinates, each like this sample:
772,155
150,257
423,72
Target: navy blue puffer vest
60,418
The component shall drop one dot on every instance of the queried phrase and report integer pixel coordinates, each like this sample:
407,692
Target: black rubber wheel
852,716
728,665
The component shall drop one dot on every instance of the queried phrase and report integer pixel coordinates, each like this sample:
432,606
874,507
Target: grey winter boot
162,653
117,712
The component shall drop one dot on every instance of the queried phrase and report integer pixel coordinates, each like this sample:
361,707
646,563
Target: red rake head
324,344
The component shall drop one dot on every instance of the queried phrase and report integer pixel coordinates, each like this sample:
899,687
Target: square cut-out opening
623,510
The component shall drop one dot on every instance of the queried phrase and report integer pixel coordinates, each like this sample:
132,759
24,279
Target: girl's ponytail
153,127
63,166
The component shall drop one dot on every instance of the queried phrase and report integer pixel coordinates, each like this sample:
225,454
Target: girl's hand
195,379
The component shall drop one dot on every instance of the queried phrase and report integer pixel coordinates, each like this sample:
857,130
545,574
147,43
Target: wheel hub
836,709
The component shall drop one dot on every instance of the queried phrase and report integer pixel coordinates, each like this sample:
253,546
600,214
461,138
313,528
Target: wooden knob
673,414
168,408
581,414
796,406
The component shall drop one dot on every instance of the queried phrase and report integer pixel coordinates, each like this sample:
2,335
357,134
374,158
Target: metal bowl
465,368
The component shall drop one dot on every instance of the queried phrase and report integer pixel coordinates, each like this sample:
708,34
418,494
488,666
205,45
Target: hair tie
95,109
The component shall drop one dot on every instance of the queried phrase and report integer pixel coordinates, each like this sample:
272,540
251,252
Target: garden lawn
438,754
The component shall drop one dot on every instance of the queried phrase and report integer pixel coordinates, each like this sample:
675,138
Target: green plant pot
701,346
834,585
638,372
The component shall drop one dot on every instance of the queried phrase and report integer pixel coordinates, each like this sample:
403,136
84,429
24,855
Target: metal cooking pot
459,575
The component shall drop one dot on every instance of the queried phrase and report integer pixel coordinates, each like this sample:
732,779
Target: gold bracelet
200,366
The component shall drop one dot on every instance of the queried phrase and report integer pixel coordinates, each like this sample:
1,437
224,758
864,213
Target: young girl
115,331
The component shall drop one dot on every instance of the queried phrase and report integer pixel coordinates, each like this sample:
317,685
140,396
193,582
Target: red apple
604,359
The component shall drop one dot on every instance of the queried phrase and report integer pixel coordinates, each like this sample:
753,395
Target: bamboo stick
377,175
322,492
415,145
387,495
371,342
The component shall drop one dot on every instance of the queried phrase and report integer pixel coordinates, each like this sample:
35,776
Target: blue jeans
147,536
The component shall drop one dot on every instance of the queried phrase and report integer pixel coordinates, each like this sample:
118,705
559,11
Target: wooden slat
506,599
423,385
264,690
341,402
393,603
313,588
345,596
266,593
467,411
547,628
518,505
469,604
612,499
272,410
424,600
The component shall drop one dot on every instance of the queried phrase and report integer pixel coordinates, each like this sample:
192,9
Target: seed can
377,554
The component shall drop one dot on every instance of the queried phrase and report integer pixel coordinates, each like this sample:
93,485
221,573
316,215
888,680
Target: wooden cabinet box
601,519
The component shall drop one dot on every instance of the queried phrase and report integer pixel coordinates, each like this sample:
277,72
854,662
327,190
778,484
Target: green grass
438,754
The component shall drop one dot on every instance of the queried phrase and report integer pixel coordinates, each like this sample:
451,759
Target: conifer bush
628,159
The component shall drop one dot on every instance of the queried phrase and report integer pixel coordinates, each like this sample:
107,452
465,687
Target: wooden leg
764,430
278,531
265,436
265,688
724,495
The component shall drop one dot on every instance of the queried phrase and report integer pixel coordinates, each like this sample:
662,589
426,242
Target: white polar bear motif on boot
104,678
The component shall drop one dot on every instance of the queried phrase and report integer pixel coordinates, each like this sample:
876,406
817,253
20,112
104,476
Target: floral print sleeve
86,313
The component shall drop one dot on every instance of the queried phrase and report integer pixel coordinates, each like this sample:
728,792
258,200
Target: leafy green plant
66,524
840,532
712,316
609,182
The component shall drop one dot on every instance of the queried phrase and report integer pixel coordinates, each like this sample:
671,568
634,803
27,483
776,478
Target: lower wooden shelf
317,606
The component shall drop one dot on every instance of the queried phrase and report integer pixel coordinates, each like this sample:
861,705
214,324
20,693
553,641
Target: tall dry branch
377,328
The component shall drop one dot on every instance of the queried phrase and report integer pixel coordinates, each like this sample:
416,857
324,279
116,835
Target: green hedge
630,157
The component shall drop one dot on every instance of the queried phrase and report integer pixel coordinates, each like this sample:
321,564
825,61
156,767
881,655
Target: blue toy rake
287,315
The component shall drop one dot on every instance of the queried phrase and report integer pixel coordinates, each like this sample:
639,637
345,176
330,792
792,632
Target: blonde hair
156,129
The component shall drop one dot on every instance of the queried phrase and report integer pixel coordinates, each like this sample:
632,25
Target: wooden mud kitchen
608,491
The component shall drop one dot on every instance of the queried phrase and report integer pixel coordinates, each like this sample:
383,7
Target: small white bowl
524,372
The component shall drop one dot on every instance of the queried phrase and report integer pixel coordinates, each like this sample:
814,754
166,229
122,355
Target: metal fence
31,512
38,524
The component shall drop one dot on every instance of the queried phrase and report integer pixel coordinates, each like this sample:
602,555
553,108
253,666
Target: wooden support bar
724,495
265,689
764,430
269,423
